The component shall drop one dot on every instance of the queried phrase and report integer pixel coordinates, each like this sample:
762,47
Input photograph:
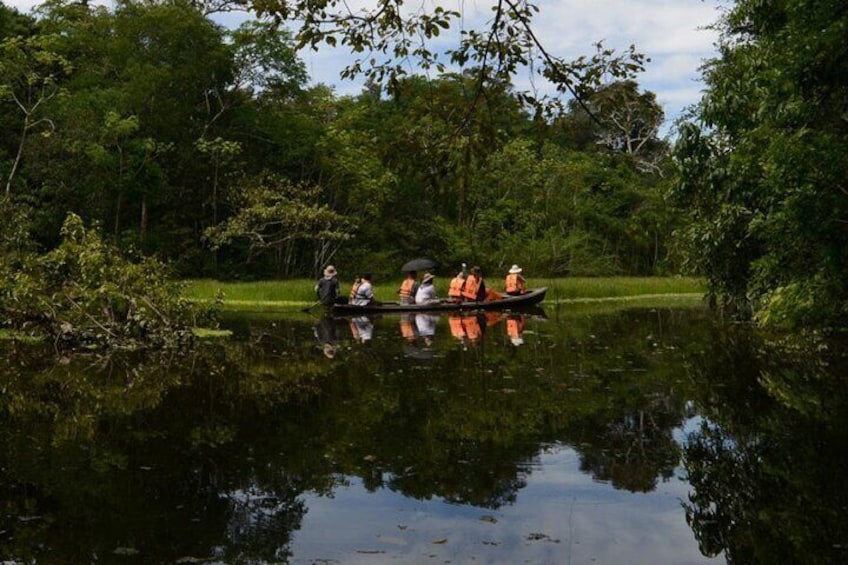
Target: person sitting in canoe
475,288
456,285
515,283
427,291
327,288
408,288
365,293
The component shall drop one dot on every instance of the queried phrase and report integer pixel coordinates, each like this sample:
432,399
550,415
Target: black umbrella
420,264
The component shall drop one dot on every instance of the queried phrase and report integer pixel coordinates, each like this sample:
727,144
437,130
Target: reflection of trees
631,452
767,470
189,451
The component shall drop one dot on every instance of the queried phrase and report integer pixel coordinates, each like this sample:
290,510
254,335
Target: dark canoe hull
531,298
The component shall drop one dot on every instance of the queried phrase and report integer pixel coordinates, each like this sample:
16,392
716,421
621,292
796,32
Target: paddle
309,308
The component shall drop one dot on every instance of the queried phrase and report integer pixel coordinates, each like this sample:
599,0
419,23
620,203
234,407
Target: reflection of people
514,284
325,332
427,291
426,325
362,329
327,288
407,329
456,329
514,329
472,327
365,293
408,288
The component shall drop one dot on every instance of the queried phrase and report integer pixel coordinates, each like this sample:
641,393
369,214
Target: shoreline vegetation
290,295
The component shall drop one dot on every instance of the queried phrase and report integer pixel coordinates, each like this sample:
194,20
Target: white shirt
364,295
426,293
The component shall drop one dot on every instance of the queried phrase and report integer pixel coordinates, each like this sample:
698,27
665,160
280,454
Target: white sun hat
514,270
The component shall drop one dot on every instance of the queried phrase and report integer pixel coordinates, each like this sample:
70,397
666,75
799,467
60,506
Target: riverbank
298,293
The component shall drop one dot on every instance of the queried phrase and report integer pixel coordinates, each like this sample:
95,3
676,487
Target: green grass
587,288
298,293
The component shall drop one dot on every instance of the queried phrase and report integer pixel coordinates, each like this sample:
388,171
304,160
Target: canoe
530,298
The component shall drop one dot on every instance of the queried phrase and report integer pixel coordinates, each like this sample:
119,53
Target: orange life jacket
514,327
456,328
514,283
406,288
472,285
455,289
407,330
472,328
354,288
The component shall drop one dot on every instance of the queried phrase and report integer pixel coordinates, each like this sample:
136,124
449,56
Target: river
581,434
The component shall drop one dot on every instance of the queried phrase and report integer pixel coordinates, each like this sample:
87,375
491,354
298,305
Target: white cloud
671,32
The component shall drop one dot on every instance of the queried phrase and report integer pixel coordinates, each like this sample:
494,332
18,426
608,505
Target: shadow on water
426,429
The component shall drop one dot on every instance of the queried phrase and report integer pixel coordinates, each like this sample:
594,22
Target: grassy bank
295,294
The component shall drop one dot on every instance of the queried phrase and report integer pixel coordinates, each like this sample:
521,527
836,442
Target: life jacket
514,327
514,284
472,285
406,288
471,325
407,330
354,288
455,289
456,328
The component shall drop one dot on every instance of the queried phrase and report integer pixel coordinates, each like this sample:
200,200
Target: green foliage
85,293
274,212
761,180
172,132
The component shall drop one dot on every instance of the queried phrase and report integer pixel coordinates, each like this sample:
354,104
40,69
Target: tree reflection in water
209,453
768,468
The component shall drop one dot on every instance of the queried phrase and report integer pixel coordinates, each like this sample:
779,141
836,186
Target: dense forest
169,136
211,149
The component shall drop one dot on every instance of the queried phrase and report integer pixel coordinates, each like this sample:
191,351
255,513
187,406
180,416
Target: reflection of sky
561,516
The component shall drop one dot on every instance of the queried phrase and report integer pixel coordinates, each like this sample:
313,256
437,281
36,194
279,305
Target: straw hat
515,269
428,278
330,271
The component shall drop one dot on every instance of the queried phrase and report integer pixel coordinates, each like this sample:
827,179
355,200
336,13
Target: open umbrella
420,264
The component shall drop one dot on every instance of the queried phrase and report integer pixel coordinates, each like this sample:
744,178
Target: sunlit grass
299,293
581,288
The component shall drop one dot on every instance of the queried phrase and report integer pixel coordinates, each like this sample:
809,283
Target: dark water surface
641,435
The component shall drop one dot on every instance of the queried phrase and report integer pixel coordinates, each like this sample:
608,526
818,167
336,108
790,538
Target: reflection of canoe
530,298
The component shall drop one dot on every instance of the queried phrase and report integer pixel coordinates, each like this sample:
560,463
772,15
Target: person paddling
327,288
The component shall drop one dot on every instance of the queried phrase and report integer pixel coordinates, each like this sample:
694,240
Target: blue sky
671,32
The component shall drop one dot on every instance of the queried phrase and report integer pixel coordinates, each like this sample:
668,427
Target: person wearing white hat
427,291
327,288
515,283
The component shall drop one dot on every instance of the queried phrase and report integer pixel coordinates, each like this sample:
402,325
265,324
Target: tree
762,172
274,211
388,37
30,70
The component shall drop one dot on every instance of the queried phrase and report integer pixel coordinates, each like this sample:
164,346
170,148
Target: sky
672,33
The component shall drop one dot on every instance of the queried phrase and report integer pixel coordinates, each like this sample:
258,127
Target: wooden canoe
530,298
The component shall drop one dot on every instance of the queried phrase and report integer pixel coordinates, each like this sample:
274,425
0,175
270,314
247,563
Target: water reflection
439,428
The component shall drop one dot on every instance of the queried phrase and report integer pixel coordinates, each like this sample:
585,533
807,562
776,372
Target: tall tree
762,173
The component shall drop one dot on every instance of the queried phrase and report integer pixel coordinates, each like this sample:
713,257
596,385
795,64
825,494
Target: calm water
642,435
